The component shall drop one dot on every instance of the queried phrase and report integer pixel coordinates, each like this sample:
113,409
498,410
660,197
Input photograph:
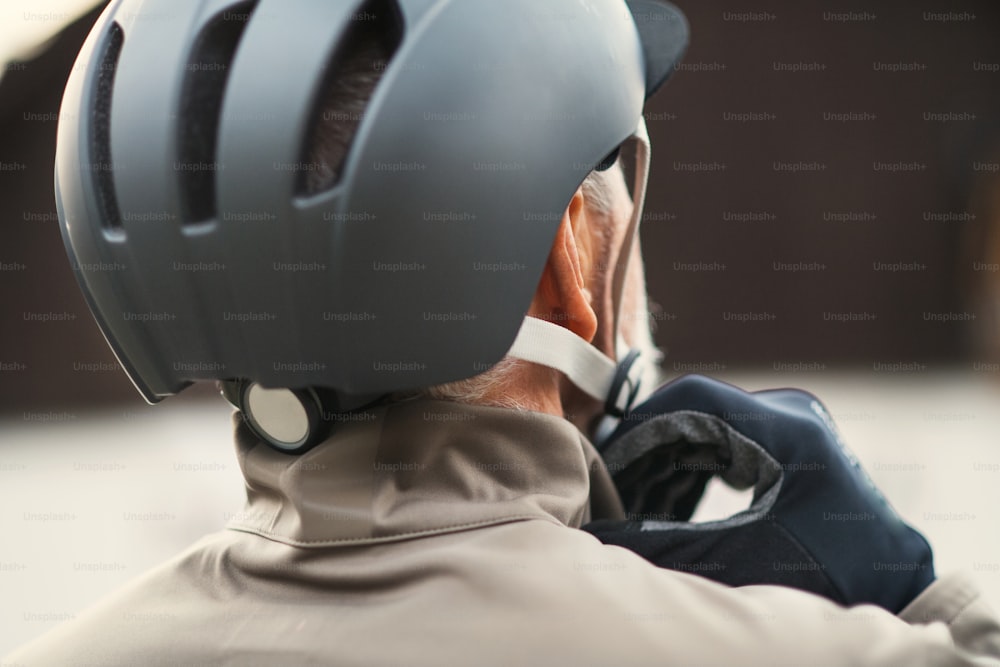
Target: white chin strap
615,382
587,367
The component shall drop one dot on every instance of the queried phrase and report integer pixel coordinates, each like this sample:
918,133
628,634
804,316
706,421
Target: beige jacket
438,534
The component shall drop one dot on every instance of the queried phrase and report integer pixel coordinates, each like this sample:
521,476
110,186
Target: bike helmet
211,246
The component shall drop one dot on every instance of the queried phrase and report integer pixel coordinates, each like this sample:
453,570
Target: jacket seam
275,537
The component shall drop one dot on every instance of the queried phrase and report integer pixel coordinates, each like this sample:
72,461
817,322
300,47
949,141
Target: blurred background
824,212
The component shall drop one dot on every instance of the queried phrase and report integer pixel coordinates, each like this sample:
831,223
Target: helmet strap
615,382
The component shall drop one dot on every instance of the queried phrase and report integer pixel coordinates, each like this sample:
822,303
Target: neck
534,387
541,389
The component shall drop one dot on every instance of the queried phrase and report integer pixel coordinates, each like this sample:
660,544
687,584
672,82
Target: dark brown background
51,365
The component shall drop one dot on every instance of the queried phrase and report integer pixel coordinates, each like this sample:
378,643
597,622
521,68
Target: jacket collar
416,468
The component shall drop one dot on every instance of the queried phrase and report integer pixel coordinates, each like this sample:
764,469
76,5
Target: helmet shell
417,268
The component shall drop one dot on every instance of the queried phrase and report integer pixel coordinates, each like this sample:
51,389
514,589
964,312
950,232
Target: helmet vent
101,165
366,49
201,109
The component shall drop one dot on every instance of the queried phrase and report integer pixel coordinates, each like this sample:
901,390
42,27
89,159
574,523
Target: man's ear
562,296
